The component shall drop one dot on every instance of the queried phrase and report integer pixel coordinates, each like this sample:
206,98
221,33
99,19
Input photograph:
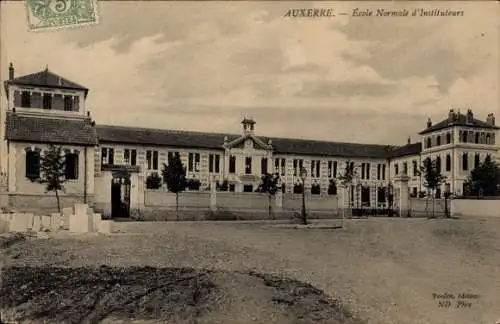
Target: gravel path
385,270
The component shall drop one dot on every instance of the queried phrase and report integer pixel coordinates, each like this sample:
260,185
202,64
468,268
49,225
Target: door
120,197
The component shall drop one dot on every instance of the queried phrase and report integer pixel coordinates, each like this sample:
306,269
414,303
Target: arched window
448,162
465,162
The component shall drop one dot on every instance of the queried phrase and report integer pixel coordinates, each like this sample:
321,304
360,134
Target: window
217,163
211,163
149,159
379,171
438,164
315,168
396,168
381,195
71,166
405,168
429,142
248,165
365,170
283,167
463,136
332,169
231,187
32,165
47,101
438,140
297,166
194,162
383,172
130,157
155,160
476,160
232,164
247,188
365,196
465,162
25,99
476,138
448,138
448,162
68,103
488,139
107,156
263,166
415,168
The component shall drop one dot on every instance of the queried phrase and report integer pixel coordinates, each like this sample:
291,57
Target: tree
53,171
174,175
153,181
347,178
269,184
433,178
193,184
484,179
332,187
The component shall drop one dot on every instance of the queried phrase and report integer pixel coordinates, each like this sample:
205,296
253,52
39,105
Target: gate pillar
401,183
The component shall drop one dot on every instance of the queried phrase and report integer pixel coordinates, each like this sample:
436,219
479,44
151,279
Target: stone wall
43,204
487,207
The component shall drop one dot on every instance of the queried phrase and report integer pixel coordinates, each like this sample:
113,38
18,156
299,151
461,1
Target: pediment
248,142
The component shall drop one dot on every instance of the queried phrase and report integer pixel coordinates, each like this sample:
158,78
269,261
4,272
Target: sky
205,66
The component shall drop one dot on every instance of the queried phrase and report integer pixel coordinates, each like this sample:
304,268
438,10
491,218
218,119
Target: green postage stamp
54,14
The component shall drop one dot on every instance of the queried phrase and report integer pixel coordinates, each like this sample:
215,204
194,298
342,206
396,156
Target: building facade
44,108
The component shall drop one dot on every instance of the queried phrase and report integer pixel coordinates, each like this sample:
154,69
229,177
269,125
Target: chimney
491,119
469,117
451,115
11,71
429,122
409,140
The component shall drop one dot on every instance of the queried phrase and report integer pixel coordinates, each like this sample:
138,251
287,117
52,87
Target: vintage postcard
234,162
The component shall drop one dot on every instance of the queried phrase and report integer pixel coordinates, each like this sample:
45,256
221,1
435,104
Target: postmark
55,14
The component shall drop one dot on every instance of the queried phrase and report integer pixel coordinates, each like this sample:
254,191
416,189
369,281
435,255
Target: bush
153,181
193,184
224,186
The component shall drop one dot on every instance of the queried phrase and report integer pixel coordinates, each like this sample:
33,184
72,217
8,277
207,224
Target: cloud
179,65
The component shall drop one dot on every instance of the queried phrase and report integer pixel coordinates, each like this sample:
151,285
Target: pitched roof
46,78
50,130
158,137
409,149
458,120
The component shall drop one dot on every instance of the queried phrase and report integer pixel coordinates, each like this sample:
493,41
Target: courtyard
380,271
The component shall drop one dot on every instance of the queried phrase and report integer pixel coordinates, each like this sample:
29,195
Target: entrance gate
120,195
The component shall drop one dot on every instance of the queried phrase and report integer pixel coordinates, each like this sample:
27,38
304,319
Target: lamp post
303,175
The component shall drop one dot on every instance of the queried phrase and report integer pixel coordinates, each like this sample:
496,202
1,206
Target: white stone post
213,194
401,183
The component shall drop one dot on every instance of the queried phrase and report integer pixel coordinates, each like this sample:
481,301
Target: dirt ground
383,271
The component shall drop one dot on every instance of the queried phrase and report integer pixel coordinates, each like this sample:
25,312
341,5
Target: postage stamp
54,14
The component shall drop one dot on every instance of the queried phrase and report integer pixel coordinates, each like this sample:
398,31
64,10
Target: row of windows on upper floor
214,164
476,137
27,99
447,167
